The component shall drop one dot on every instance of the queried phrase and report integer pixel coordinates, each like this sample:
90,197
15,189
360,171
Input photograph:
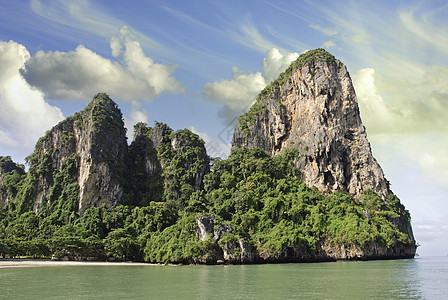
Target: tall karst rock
165,164
86,153
85,161
312,107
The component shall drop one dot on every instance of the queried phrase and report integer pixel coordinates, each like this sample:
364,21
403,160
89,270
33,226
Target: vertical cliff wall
312,107
90,148
165,165
11,174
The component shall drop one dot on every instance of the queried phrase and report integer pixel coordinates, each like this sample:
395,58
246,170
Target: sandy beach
22,263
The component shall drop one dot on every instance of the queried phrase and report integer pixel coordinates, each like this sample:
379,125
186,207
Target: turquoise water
421,278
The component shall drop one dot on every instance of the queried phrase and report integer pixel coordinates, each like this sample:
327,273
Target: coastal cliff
312,107
300,185
89,149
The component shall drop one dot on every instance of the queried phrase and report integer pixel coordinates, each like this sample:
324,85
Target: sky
200,64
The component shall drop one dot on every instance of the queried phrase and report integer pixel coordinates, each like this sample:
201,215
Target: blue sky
200,64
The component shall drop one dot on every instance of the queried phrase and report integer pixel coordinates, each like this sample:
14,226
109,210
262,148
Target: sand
22,263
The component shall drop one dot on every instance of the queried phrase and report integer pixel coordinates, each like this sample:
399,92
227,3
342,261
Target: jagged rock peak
92,144
312,107
159,149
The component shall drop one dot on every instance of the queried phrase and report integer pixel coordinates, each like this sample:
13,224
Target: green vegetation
167,184
306,58
260,197
184,165
246,120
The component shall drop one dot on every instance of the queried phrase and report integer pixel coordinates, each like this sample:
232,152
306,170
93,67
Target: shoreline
25,263
33,262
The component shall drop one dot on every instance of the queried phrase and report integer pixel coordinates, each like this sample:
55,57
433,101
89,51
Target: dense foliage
260,197
167,184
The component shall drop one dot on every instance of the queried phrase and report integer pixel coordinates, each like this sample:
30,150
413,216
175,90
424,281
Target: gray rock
96,136
316,112
230,247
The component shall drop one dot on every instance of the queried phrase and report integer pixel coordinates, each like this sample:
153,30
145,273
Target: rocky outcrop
230,248
10,172
331,251
95,139
85,161
165,164
312,107
312,110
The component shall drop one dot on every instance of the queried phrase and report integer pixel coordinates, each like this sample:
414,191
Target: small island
300,185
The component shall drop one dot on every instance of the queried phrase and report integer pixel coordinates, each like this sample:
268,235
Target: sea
418,278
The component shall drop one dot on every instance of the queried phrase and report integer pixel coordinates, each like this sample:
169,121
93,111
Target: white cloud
426,29
80,74
275,63
239,92
249,36
116,46
328,45
376,116
410,118
214,147
414,104
326,31
424,153
431,234
24,114
83,16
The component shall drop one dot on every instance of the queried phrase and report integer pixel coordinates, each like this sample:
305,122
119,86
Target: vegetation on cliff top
259,196
309,57
167,185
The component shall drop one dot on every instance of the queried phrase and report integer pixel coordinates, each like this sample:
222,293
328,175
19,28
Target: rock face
234,250
312,107
94,140
231,248
85,161
165,165
10,174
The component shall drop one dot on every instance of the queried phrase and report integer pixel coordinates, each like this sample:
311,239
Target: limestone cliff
230,247
312,107
10,174
164,164
93,145
85,161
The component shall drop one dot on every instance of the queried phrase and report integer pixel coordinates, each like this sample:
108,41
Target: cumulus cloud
406,119
80,74
275,63
375,113
414,104
24,113
238,93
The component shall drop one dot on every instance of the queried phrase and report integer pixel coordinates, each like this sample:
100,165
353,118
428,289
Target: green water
422,278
